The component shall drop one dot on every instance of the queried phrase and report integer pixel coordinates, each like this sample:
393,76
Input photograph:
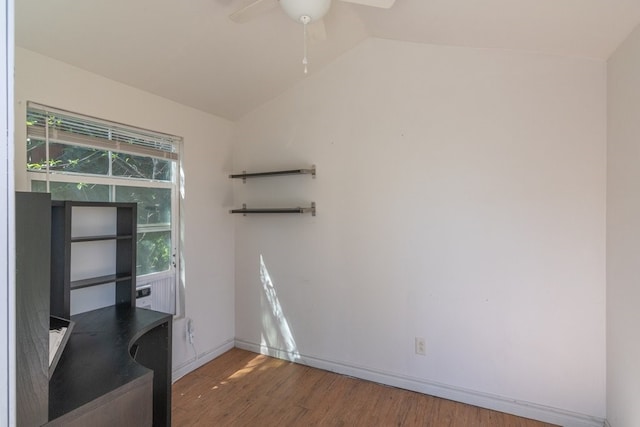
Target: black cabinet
116,366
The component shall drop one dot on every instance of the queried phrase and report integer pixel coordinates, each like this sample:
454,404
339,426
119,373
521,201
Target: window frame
46,175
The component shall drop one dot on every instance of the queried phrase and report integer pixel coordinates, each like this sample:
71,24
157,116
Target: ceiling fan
299,10
304,12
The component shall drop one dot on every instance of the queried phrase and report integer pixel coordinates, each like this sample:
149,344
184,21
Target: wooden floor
241,388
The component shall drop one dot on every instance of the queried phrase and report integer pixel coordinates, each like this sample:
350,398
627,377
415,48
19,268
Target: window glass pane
66,158
154,204
73,191
36,154
141,167
154,252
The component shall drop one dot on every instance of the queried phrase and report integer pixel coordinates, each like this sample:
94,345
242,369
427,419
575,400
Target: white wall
461,198
623,235
208,228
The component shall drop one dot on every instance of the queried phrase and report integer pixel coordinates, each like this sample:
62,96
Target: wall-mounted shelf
286,210
244,175
298,210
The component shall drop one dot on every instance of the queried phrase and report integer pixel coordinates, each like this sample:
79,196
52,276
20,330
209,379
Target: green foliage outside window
154,248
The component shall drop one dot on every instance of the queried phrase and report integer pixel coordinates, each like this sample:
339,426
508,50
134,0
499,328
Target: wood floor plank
241,388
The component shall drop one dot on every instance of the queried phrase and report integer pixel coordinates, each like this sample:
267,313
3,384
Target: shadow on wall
277,339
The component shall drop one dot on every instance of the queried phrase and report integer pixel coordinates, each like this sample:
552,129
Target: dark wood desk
97,381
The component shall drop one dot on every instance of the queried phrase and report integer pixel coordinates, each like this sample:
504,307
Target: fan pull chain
305,20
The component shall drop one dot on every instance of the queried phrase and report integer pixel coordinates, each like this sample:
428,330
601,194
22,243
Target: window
81,158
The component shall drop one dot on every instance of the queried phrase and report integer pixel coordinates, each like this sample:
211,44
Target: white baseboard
200,360
471,397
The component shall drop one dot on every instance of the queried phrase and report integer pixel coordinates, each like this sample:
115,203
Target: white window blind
54,125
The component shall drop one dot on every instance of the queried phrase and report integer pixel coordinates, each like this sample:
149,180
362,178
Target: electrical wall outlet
190,330
421,346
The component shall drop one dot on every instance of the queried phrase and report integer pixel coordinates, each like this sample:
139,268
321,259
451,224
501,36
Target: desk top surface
96,359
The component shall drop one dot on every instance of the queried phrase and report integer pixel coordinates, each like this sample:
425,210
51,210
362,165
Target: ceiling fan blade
385,4
252,10
316,31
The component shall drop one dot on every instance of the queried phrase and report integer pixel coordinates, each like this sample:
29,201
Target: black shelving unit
124,276
115,368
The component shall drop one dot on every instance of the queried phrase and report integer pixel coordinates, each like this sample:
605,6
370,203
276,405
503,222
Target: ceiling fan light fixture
305,10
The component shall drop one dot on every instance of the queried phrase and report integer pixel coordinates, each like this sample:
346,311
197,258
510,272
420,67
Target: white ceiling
189,51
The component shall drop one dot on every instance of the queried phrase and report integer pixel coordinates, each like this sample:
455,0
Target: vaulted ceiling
190,51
